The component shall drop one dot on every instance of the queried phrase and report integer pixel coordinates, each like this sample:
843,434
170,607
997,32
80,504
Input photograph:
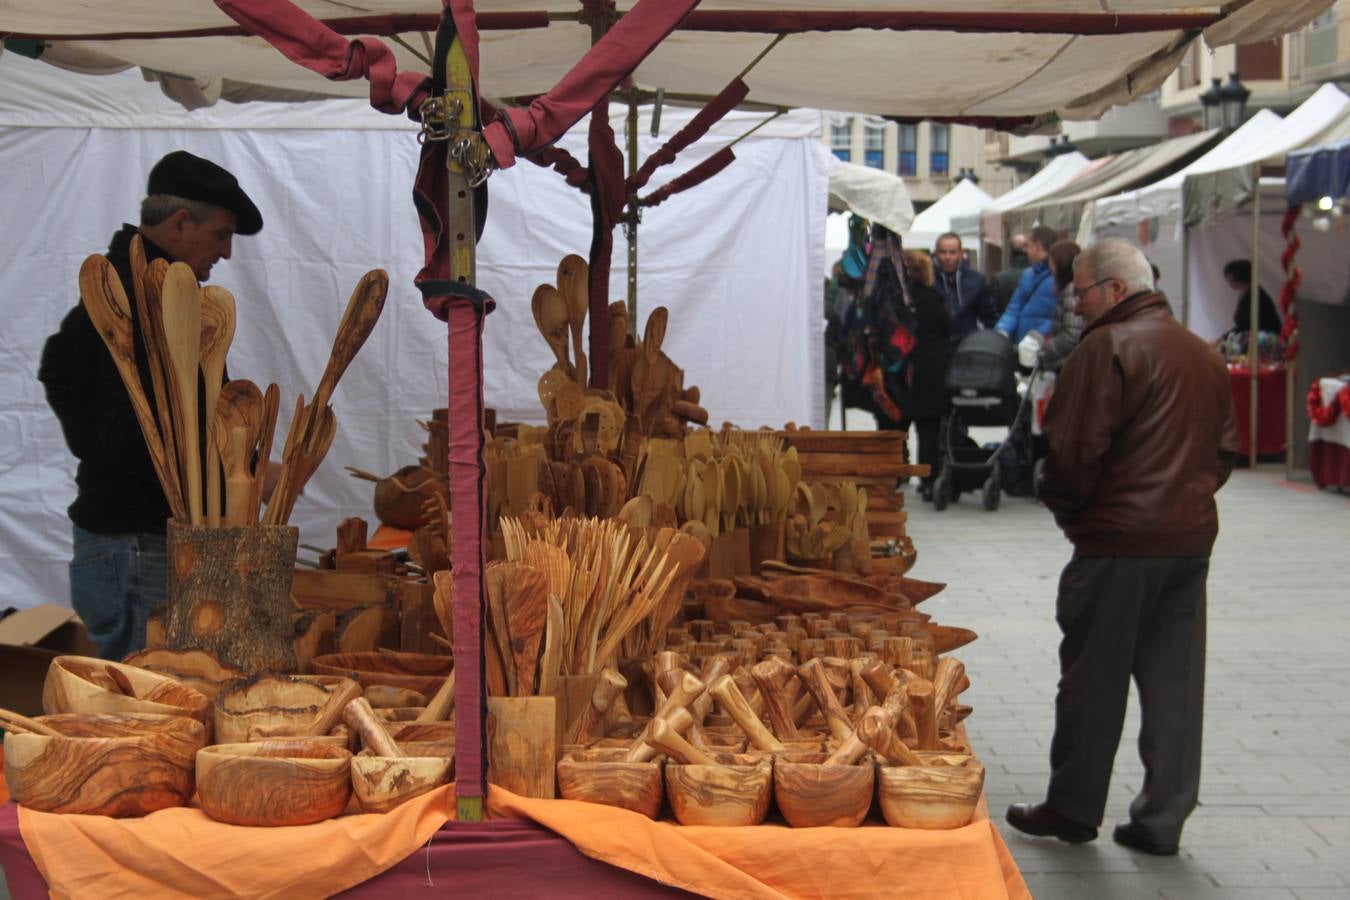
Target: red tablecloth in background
1269,407
1329,464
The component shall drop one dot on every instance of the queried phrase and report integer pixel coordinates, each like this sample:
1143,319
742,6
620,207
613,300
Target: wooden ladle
110,311
218,318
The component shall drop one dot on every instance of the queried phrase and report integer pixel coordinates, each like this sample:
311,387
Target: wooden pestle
749,690
735,705
343,693
687,688
602,697
948,682
442,702
667,681
863,699
361,718
668,741
714,668
876,730
812,674
925,716
19,724
772,676
877,675
681,720
852,749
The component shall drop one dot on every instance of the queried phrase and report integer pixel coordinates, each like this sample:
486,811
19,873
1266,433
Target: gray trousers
1120,617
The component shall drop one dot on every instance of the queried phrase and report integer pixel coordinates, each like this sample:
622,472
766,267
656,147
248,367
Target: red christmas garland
1293,277
1324,416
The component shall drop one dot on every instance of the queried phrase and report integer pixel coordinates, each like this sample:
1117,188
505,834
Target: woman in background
1066,326
928,363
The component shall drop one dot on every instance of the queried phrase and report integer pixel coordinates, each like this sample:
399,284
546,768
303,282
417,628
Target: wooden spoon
553,320
573,285
526,591
550,663
182,335
217,311
147,280
110,311
358,320
271,403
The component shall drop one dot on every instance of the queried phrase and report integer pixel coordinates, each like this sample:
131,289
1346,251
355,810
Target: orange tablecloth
182,853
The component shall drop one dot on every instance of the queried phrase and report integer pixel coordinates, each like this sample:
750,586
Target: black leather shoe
1131,834
1042,821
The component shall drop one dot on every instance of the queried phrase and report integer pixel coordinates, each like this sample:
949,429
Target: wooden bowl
811,794
83,684
200,670
602,776
270,706
720,795
106,764
271,783
440,734
929,796
421,672
382,783
398,713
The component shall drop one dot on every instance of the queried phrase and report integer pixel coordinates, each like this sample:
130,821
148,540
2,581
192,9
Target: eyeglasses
1080,291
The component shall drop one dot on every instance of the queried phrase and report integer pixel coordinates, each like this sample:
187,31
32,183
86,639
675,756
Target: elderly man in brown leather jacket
1141,436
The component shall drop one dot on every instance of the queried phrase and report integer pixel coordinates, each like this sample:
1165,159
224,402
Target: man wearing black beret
192,210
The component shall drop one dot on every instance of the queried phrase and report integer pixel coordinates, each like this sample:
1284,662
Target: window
841,136
1261,62
909,149
1188,73
938,150
1319,47
874,144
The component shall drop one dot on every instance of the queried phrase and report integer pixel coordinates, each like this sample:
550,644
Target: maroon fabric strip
565,164
698,126
612,58
22,877
697,175
306,41
608,198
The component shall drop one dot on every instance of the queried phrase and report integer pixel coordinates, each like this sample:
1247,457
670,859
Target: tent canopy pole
1253,349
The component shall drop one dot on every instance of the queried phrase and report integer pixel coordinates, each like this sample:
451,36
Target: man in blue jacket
965,293
1033,305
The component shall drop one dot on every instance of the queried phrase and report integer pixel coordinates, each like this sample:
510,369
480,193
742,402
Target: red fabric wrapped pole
697,175
698,126
608,199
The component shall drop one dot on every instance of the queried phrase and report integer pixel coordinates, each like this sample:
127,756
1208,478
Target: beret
181,174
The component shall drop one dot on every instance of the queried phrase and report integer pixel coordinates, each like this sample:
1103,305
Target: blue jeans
116,581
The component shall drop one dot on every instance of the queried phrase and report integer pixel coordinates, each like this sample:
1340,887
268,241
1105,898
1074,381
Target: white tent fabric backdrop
964,199
737,260
1051,177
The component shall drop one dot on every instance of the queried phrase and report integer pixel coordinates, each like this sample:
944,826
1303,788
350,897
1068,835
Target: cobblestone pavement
1274,815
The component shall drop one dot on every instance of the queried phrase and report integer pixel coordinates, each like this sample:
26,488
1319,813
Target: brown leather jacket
1141,435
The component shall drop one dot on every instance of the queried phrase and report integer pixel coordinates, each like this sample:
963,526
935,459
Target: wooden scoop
574,287
217,311
106,302
182,314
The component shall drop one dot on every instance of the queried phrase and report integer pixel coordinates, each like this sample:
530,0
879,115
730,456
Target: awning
1213,195
965,199
871,193
1163,198
1061,211
1319,172
1056,173
1073,57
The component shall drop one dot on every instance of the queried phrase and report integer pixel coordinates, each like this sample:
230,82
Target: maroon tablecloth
1329,464
1269,407
502,857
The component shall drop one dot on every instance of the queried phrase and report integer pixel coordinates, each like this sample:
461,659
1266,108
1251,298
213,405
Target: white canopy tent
736,260
1076,58
1056,173
876,195
964,199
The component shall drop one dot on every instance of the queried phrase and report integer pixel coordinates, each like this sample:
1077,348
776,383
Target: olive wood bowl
602,776
726,795
932,797
83,684
200,670
273,783
382,783
420,672
811,793
105,764
271,706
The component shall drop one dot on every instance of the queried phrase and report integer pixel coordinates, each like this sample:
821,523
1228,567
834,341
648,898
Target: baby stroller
982,391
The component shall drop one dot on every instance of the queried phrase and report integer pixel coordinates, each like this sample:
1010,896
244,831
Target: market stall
837,682
963,200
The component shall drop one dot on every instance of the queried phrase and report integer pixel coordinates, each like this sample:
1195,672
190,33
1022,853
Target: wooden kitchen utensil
725,795
217,333
273,783
603,776
147,282
182,317
812,793
574,286
83,684
930,797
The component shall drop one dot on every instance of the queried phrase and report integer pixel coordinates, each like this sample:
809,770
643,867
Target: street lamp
1233,100
1210,105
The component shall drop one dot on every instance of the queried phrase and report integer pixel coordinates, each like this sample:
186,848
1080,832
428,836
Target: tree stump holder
229,592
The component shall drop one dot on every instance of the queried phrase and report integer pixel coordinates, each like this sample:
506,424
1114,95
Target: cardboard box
29,640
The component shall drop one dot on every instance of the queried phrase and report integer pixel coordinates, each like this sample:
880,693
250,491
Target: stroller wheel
989,496
942,489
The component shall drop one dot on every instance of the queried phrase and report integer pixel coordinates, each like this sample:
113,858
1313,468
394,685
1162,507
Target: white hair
1114,258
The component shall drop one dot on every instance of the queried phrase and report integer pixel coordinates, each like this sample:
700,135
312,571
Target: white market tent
876,195
1074,59
987,222
1063,209
738,266
965,199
